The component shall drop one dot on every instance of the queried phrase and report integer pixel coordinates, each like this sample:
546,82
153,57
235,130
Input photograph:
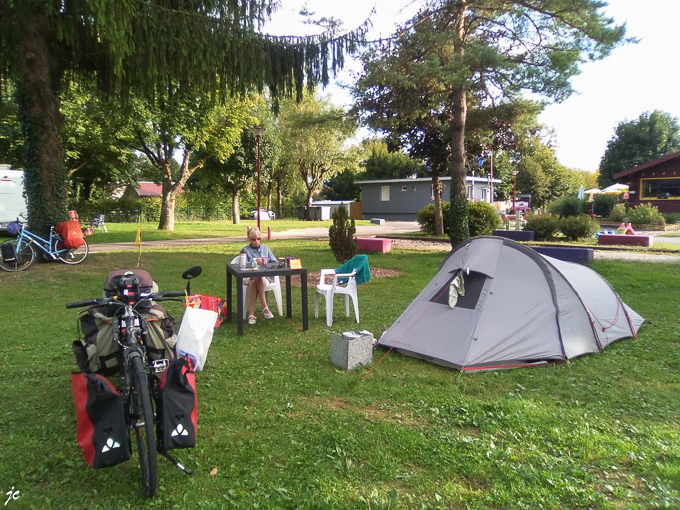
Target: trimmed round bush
603,204
572,206
579,227
545,226
482,218
618,213
426,218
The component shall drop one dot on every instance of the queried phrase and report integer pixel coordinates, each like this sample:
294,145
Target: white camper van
12,201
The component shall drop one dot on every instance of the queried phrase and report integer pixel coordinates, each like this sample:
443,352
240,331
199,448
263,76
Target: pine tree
342,235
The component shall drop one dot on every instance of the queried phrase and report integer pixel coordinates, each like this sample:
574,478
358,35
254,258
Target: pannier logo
179,431
110,445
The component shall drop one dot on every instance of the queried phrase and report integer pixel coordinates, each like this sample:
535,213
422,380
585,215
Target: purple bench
516,235
625,239
567,253
380,244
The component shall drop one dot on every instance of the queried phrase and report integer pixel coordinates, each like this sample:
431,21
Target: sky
634,79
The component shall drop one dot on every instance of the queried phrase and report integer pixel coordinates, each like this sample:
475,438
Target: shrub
545,226
482,218
426,218
603,204
618,213
578,227
671,218
572,206
645,214
341,235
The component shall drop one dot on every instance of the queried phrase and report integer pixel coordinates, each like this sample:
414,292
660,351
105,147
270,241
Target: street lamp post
258,131
514,191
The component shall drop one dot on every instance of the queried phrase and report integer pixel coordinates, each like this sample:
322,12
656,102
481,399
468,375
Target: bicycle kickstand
177,463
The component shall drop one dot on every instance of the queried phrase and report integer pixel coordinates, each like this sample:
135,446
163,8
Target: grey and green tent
496,303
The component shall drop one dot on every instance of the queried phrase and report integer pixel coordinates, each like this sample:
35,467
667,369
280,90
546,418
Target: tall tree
649,137
185,124
314,132
484,51
145,47
383,164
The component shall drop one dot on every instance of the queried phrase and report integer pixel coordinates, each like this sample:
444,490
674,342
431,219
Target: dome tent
496,303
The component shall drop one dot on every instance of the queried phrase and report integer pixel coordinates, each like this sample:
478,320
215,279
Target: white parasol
615,189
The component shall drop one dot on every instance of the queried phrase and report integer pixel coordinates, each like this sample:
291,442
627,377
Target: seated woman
256,286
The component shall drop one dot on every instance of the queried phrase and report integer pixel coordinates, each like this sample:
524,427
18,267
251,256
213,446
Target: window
385,193
653,189
404,188
469,193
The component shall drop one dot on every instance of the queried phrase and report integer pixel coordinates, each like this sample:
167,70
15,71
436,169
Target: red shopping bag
215,304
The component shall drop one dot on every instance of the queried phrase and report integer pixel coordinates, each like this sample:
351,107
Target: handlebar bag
100,421
146,283
177,405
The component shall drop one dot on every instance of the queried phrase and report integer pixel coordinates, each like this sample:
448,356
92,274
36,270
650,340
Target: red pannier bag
177,405
100,420
215,304
72,234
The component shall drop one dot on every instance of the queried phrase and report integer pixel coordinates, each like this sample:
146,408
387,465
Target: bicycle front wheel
143,426
23,258
74,256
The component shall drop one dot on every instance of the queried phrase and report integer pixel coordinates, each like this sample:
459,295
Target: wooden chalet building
656,183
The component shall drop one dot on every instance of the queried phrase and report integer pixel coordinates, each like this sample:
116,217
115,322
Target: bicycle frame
45,245
137,373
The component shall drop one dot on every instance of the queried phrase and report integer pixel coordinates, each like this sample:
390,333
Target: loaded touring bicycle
153,402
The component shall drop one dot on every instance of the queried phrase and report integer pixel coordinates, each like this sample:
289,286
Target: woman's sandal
267,313
251,319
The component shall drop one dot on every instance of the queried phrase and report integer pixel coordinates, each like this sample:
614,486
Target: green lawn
127,232
286,429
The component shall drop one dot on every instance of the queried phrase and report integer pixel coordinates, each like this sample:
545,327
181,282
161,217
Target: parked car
264,215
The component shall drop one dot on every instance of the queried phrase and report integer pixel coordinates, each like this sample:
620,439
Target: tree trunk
235,209
458,222
279,199
438,218
44,172
167,221
308,202
171,189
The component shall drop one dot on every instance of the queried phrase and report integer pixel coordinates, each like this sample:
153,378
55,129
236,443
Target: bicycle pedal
159,365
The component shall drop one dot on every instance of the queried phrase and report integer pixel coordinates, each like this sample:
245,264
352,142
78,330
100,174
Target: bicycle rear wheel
25,255
74,256
143,426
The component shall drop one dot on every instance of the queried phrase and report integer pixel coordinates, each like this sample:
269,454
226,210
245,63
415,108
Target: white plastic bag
195,335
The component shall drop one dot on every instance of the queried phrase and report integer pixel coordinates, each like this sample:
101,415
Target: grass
286,429
126,232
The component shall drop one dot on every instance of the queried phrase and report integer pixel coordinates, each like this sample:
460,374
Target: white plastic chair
346,290
274,286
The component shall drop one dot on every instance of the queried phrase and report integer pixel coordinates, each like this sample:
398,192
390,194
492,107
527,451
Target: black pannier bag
177,406
8,252
100,421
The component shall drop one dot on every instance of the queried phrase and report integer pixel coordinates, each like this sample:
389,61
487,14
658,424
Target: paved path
392,227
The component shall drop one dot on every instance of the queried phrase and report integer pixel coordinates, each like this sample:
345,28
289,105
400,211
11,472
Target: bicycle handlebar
81,304
158,296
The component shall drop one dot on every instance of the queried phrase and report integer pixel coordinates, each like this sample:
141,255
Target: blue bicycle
18,254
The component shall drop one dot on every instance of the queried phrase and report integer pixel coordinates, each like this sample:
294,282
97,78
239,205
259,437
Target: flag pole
138,242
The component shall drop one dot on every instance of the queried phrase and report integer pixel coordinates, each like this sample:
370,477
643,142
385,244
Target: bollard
269,233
